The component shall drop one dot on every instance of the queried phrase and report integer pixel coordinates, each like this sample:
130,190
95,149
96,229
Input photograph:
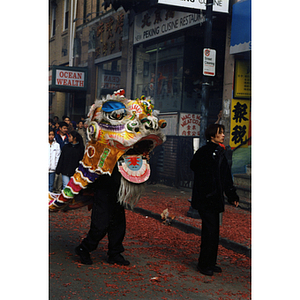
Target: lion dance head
122,132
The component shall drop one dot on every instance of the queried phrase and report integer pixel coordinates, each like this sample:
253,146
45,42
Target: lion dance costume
122,132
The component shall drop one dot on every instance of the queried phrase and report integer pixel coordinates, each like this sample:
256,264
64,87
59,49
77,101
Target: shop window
171,73
158,73
193,74
109,78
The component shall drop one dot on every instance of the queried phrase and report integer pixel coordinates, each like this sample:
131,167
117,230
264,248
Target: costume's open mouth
141,148
133,165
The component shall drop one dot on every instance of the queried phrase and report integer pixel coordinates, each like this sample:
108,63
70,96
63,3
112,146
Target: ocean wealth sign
70,78
67,78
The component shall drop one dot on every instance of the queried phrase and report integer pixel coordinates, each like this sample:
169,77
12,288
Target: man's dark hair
61,124
64,117
212,130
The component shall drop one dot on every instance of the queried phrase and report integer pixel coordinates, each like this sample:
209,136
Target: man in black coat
212,177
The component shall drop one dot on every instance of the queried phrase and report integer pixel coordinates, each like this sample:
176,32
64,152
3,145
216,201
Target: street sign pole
206,79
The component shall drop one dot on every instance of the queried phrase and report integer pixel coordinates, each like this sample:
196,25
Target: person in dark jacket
61,136
70,156
108,217
212,177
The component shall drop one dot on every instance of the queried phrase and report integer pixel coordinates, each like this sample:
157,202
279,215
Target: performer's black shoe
205,270
84,255
119,260
216,269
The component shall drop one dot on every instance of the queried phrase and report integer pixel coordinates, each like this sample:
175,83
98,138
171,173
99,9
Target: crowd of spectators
67,140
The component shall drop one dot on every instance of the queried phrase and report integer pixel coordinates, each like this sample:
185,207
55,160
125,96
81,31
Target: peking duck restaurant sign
67,79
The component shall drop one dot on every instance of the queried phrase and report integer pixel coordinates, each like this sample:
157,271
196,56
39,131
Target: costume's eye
146,103
117,114
133,126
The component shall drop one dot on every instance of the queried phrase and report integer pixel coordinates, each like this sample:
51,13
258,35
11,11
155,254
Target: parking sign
209,62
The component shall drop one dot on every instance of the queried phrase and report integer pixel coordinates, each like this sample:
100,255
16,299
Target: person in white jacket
54,154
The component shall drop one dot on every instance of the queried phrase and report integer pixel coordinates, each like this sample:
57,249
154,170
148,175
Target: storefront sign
111,82
219,5
242,79
158,22
189,124
209,62
240,122
67,78
109,35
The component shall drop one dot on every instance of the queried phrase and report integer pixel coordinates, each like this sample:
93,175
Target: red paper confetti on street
163,258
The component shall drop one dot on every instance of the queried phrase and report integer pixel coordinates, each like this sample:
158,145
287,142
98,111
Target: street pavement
163,261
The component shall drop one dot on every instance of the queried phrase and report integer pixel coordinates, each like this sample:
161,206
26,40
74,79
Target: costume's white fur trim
130,193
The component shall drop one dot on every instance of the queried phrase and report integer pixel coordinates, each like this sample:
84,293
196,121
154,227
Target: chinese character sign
156,22
240,120
109,35
189,124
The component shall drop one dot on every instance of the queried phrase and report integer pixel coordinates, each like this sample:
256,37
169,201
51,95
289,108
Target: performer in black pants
212,177
108,217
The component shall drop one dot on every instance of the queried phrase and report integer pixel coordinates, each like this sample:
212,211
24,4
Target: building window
64,50
109,78
158,72
53,21
170,72
66,14
84,10
97,8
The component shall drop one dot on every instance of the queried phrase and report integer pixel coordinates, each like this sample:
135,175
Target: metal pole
206,79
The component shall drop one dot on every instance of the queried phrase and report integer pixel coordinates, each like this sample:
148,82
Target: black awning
136,5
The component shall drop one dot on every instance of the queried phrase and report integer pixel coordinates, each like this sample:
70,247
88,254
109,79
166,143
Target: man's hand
235,203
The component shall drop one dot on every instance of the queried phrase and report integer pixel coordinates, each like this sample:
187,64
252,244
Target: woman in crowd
70,156
54,153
